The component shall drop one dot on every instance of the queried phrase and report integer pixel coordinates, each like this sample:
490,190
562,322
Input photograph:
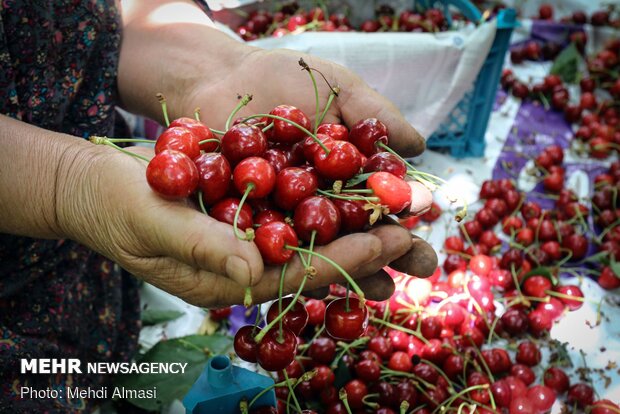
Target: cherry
214,175
545,11
497,206
511,258
554,182
525,236
432,214
172,174
386,161
353,216
316,311
501,279
530,210
546,231
276,350
501,393
224,211
405,391
295,319
199,130
322,350
520,90
454,244
540,322
324,378
454,262
382,346
607,279
317,214
599,18
393,192
244,344
481,265
577,244
344,324
220,314
486,217
581,394
489,189
556,379
366,133
479,395
528,353
292,186
257,172
514,321
604,407
335,131
536,286
310,146
242,141
522,405
268,216
356,391
568,292
278,158
341,163
472,228
296,21
368,370
178,139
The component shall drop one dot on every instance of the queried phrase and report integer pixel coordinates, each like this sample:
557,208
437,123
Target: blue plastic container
464,129
221,387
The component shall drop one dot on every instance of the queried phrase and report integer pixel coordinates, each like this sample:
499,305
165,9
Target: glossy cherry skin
324,378
386,161
316,311
322,350
344,325
365,135
283,131
341,163
278,158
393,192
172,174
214,176
335,131
268,216
310,146
295,319
271,238
224,211
256,171
179,139
292,186
244,344
581,394
356,391
200,130
274,354
317,214
542,397
353,217
242,141
528,353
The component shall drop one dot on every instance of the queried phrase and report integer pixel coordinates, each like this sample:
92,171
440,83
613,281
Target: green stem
106,141
339,268
265,391
291,391
399,328
201,202
268,127
243,102
217,131
316,93
346,300
204,141
280,291
311,247
164,107
248,190
123,140
342,197
346,347
330,99
295,124
342,394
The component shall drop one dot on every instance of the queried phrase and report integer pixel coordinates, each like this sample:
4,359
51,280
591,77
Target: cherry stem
217,131
346,299
244,236
332,95
247,297
311,247
295,124
123,140
204,141
350,198
346,347
243,102
567,297
305,67
265,391
201,202
291,391
280,291
197,114
290,306
342,394
106,141
243,406
464,391
339,268
268,127
404,406
164,107
258,315
399,328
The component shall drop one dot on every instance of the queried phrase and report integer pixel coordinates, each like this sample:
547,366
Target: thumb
205,243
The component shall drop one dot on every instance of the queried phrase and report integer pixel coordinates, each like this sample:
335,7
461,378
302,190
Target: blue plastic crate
464,129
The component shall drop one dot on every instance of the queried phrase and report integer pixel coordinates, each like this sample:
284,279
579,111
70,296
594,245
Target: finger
357,100
421,198
420,261
204,243
319,293
396,241
378,287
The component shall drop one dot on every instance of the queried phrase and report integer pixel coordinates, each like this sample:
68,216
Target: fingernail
238,270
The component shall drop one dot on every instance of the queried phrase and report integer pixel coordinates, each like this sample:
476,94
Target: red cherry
275,352
556,379
294,22
479,395
608,280
220,314
200,131
356,391
244,344
481,265
400,361
295,319
172,174
317,214
316,311
386,161
334,131
393,192
268,216
382,346
473,229
224,211
257,172
540,322
433,213
581,394
324,378
454,244
346,325
537,286
214,176
178,139
514,321
322,350
604,407
497,206
341,163
569,292
368,370
366,133
278,158
310,146
522,405
271,239
242,141
528,353
545,11
292,186
353,216
283,131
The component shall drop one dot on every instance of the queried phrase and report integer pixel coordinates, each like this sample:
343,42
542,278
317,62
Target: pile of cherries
603,17
291,19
